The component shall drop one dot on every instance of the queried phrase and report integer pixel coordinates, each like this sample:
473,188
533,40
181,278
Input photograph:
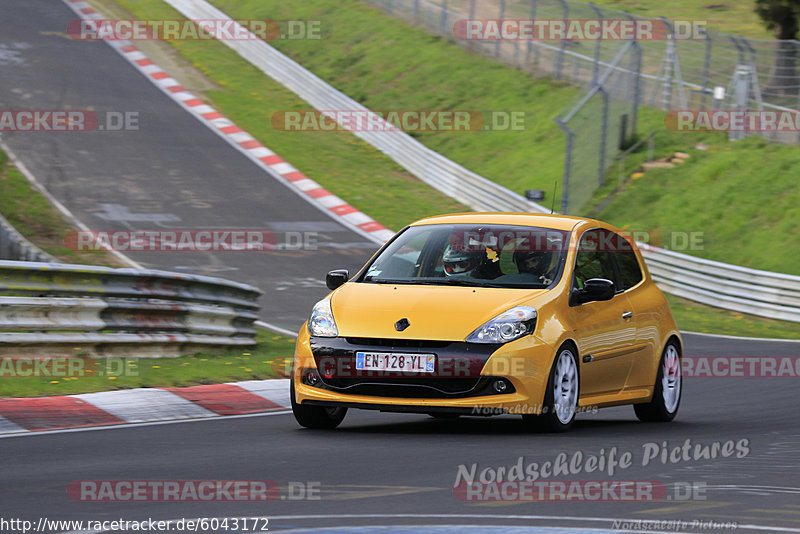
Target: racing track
399,468
172,173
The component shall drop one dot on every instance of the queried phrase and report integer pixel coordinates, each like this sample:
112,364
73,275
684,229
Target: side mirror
593,290
336,278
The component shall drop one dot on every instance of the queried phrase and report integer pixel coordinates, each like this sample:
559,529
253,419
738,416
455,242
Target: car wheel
316,416
561,396
667,391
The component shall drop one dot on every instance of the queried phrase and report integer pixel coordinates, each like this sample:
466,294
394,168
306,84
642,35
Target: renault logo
402,324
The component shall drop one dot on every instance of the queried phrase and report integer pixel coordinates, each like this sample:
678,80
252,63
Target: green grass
271,358
693,317
386,64
33,216
741,197
727,16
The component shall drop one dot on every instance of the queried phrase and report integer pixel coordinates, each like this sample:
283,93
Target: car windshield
491,255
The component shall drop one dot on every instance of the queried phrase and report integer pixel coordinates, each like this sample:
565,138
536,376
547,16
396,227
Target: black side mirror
594,289
336,278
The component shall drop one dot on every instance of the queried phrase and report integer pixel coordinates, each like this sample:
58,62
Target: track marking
565,518
151,423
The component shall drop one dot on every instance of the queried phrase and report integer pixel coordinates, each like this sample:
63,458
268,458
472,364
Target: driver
537,263
470,263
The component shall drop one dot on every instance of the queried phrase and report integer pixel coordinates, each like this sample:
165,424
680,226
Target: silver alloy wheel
565,387
671,379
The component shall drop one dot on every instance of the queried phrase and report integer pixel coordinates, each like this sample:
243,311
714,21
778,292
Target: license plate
393,361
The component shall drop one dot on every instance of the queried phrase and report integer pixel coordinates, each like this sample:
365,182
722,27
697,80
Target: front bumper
463,382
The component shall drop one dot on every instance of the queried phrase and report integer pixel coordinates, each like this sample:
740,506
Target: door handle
627,315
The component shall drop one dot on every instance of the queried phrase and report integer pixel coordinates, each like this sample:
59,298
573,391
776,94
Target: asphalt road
399,470
376,469
171,173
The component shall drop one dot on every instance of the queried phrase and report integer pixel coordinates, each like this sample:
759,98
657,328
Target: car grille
405,343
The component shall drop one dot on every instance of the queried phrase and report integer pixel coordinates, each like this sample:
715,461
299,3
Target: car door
647,307
603,330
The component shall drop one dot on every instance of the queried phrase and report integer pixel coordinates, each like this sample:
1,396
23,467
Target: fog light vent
500,386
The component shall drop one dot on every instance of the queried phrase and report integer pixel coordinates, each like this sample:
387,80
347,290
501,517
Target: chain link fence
683,67
681,70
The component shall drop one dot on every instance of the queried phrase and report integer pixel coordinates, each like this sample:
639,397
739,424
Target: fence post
637,85
601,171
706,67
563,47
416,10
597,44
567,165
443,22
501,14
666,90
530,43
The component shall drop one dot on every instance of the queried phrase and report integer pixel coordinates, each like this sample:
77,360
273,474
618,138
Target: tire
316,416
561,396
667,390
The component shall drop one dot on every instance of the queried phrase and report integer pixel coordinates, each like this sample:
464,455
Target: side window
630,273
593,259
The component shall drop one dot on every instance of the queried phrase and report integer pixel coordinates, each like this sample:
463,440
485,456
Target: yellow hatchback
480,314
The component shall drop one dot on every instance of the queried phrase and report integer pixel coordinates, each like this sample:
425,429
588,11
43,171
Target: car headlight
321,323
508,326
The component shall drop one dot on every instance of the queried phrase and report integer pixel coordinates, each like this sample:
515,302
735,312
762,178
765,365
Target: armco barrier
13,246
432,168
103,310
712,283
750,291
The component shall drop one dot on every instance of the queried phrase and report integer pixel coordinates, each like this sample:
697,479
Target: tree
782,16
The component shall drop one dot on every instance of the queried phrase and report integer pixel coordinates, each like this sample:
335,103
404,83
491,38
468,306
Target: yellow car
492,313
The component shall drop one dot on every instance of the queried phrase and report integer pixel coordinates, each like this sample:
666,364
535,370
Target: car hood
439,313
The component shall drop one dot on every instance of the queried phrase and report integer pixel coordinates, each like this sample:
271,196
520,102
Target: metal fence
683,69
775,295
53,308
679,69
598,126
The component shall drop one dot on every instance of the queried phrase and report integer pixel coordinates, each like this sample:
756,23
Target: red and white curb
243,141
142,405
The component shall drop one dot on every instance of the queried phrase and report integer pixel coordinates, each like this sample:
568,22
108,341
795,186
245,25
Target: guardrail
750,291
102,310
14,246
717,284
432,168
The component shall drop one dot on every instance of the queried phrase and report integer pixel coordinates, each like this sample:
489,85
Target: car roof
556,222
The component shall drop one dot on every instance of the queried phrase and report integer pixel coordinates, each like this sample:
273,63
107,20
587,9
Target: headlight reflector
321,323
508,326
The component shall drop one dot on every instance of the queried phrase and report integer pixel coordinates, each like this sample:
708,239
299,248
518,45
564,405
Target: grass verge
693,317
386,64
269,359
